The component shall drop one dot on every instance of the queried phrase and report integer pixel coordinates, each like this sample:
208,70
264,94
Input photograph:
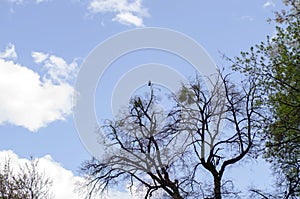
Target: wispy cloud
128,19
126,11
247,18
39,57
58,70
41,1
9,52
22,1
33,101
269,4
16,1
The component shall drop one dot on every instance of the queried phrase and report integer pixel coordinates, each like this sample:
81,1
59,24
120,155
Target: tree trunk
217,188
177,195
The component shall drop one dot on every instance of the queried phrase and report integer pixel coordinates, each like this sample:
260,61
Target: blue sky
43,43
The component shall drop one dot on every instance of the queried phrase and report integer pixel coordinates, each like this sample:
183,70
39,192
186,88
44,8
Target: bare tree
138,150
212,125
27,183
223,122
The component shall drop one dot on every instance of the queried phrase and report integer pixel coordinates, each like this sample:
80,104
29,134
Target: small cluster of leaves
286,16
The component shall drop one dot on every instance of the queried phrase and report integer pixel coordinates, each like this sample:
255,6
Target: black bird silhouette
149,83
138,103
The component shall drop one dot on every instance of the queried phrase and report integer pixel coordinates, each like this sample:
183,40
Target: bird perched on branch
138,102
149,83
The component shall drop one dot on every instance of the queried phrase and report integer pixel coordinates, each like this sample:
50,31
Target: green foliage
186,96
276,64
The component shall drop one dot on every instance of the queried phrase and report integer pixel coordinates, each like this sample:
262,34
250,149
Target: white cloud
39,57
128,19
32,101
65,183
126,11
58,70
9,53
268,4
27,101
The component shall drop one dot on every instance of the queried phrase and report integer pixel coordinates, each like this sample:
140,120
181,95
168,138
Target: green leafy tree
276,63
